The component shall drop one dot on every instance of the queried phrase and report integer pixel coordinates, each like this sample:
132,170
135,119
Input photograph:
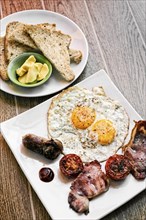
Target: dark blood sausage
135,150
48,148
91,182
117,167
71,165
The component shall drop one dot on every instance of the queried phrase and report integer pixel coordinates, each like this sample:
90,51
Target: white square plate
54,194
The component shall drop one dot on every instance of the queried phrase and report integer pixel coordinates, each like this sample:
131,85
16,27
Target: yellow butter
31,75
26,65
21,71
32,71
22,79
39,66
43,72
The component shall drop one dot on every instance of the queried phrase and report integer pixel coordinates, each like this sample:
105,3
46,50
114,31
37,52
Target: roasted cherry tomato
71,165
117,167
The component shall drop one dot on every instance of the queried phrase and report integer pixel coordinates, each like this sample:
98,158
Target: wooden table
116,34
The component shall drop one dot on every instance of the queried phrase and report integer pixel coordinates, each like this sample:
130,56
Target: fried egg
88,123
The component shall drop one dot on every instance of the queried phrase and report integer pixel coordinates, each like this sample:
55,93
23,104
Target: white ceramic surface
67,26
54,194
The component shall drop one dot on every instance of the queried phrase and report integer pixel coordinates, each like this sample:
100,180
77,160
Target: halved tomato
71,165
117,167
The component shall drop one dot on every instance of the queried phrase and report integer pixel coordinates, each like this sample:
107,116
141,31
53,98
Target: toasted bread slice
54,45
20,34
12,48
3,62
15,49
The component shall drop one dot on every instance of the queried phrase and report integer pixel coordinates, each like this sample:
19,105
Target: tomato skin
117,167
71,165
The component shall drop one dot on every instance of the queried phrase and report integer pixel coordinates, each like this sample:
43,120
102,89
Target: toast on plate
54,45
13,48
3,62
21,36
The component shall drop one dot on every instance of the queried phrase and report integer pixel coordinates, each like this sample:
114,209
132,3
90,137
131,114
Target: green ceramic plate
17,63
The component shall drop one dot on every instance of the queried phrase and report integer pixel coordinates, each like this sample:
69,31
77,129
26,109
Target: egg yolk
83,116
105,130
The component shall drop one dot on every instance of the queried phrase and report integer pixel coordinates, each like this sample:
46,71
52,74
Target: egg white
79,141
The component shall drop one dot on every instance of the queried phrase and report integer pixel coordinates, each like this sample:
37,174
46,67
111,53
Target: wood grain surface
116,34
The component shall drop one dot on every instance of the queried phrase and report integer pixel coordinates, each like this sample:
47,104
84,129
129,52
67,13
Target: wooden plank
14,200
122,48
7,106
138,9
11,6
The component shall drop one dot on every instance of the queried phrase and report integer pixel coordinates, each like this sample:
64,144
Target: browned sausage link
48,148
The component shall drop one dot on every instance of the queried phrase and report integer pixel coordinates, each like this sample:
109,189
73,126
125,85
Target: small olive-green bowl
18,62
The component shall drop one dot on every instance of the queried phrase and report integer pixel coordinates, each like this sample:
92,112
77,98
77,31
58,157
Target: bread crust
3,62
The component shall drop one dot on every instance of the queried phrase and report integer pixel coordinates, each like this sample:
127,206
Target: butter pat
25,67
38,66
31,75
22,79
43,72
